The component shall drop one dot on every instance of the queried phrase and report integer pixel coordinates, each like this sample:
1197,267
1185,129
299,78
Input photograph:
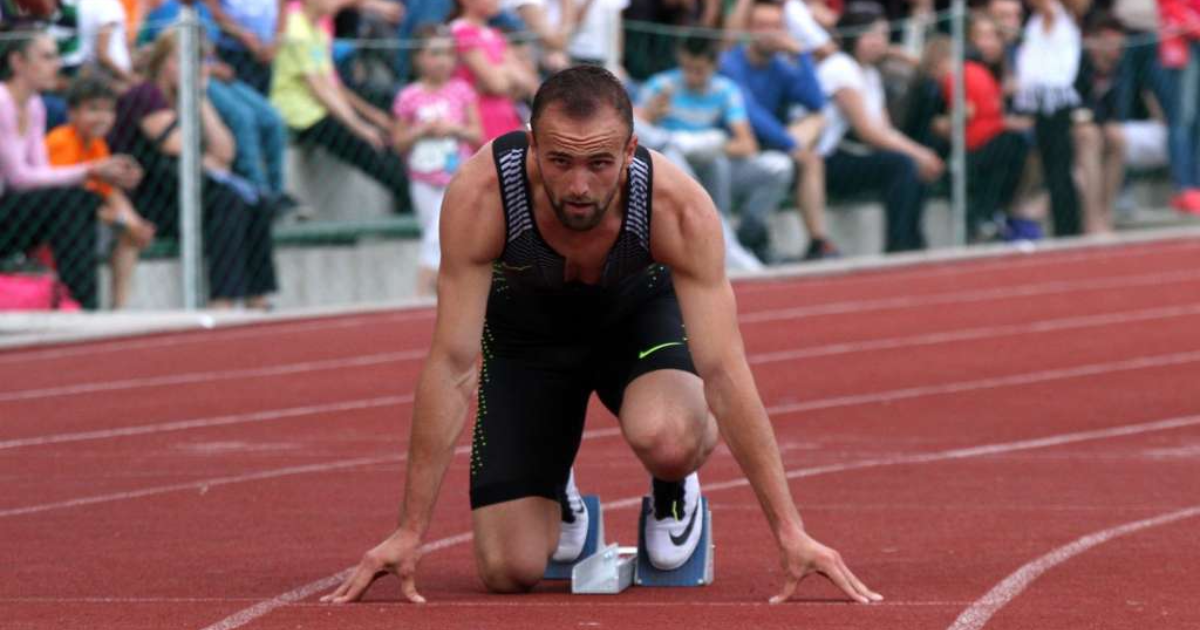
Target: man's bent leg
514,541
666,421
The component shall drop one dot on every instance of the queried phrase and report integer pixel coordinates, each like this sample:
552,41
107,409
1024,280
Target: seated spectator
997,147
237,235
249,41
491,66
1105,145
321,112
924,113
647,49
702,117
551,22
862,149
103,43
777,86
1179,54
92,106
258,130
1046,69
40,203
437,127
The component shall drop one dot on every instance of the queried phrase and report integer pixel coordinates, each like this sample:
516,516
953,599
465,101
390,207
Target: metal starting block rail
608,569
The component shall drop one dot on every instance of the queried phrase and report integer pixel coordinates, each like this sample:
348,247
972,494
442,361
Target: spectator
321,112
551,22
996,145
704,119
249,39
38,202
488,64
925,106
591,39
103,42
92,106
860,146
1009,17
437,127
1103,143
1047,66
258,130
784,103
237,236
1179,53
649,51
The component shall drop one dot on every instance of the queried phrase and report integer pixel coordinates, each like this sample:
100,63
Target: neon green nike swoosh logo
646,353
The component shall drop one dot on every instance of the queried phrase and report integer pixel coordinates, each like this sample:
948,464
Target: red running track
1006,443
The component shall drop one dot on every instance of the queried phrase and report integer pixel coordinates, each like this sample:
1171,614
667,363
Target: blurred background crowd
770,104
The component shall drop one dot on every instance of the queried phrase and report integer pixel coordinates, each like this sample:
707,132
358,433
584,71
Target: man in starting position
572,260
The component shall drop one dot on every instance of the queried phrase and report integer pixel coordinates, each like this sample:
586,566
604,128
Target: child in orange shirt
92,112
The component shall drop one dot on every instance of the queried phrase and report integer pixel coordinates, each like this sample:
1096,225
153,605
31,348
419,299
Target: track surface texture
1004,443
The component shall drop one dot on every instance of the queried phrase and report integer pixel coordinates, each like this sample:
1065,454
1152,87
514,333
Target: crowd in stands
761,100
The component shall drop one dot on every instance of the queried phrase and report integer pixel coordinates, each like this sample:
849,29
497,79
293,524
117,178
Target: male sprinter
563,251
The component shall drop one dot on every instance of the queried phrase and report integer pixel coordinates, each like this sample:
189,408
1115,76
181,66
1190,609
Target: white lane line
977,615
209,422
203,486
207,337
892,343
988,332
965,297
968,334
211,376
258,332
244,617
1029,378
122,601
1004,262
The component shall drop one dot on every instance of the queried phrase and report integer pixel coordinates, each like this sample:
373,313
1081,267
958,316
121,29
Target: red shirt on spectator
985,103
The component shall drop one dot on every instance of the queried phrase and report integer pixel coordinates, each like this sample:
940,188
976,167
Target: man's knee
508,571
673,441
1114,138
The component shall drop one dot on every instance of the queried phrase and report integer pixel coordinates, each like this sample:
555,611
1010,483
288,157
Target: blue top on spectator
719,105
771,90
167,14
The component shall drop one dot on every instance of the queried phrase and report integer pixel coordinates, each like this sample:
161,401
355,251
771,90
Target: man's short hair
89,88
858,18
581,91
1102,21
699,46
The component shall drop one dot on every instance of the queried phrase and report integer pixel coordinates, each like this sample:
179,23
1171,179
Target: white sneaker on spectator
574,527
701,146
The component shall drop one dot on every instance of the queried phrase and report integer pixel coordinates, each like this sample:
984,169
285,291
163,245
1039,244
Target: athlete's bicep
471,234
690,241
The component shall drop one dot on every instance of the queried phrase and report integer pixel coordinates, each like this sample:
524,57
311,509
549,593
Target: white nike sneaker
673,526
574,527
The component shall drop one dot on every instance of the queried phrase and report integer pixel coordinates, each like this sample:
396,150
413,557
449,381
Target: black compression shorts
533,394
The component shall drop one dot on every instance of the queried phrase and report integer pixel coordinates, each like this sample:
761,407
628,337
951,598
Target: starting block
593,543
697,571
608,569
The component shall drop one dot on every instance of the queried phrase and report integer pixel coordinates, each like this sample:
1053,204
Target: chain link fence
296,160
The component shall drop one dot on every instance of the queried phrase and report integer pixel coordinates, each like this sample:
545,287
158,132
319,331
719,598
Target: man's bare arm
687,237
474,235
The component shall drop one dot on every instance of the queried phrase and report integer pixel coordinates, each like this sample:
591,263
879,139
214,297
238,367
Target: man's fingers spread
410,591
860,587
837,577
789,589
